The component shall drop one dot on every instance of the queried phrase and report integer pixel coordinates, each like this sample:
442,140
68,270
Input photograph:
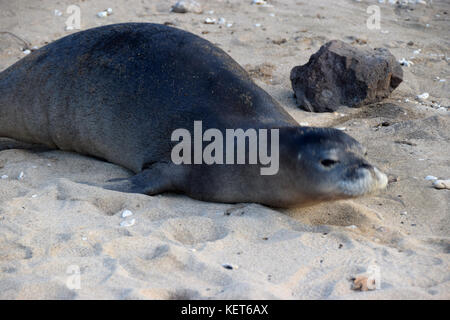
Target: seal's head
327,164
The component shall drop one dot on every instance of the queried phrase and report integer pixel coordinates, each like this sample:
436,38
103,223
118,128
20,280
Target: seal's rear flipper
154,180
7,144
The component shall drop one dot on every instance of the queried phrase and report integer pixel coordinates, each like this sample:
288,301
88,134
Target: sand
63,239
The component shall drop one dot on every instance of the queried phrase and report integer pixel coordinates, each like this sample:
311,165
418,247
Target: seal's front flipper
154,180
7,144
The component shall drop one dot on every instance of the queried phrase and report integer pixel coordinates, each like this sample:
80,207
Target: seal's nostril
366,166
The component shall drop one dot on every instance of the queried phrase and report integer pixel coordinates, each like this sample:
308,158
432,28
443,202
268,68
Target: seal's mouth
365,180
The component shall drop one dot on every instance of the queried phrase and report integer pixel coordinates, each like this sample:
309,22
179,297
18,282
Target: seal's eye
328,162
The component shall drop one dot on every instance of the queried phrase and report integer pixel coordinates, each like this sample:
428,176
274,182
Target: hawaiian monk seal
118,92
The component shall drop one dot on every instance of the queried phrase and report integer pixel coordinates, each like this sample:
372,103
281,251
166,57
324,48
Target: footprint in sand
193,230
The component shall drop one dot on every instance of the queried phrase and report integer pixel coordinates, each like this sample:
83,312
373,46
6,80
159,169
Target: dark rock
340,74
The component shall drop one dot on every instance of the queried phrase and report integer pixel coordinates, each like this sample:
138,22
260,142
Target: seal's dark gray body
118,92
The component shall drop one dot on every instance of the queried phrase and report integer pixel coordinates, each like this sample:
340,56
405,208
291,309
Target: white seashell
430,178
4,176
102,14
126,213
109,11
222,21
21,176
423,96
210,21
257,25
403,213
128,223
57,13
68,28
259,2
229,25
26,51
34,196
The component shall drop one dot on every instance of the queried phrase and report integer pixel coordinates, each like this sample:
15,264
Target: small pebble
442,184
229,266
102,14
26,51
403,213
405,62
430,178
34,196
57,13
185,6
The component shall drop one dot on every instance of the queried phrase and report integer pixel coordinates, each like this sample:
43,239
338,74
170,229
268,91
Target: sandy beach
63,239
